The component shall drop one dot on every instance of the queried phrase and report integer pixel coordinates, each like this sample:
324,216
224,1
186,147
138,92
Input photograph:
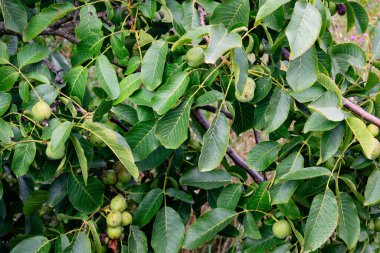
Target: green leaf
230,196
263,245
220,43
8,77
81,244
116,143
47,92
231,13
205,180
168,231
58,190
76,80
148,207
127,86
89,22
250,227
172,128
346,55
60,135
305,173
142,140
36,244
327,105
294,161
35,200
263,154
215,143
85,198
330,142
368,143
240,68
191,35
282,192
322,220
207,226
349,223
4,53
180,195
308,95
106,76
372,189
23,157
81,157
31,53
302,72
5,102
137,241
169,93
277,111
375,49
46,17
317,122
152,68
209,97
361,16
14,14
303,28
268,8
6,132
260,201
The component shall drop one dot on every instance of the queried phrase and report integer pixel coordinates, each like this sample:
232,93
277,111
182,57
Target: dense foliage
116,120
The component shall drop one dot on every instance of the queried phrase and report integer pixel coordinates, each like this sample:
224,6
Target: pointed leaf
14,14
169,93
148,207
76,80
268,8
231,13
36,244
349,223
277,111
250,227
205,180
137,241
23,157
327,105
127,86
81,157
60,135
168,231
372,189
303,28
215,143
230,196
330,142
31,53
305,173
207,226
106,76
263,154
153,64
89,22
322,220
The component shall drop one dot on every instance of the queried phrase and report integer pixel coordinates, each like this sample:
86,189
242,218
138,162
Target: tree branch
361,112
213,109
230,151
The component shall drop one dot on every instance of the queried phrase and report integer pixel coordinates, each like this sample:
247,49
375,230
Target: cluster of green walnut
117,217
118,174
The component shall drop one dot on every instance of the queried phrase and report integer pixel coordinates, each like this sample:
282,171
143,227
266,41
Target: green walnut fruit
118,203
195,57
123,176
57,154
114,232
109,177
248,92
330,163
96,141
376,152
373,129
41,111
332,8
377,225
126,219
114,219
281,229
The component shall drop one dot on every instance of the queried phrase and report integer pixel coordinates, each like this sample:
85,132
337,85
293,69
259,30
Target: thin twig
213,109
230,151
361,112
119,123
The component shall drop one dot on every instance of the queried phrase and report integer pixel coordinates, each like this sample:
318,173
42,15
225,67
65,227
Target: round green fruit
123,176
376,152
109,177
332,8
118,203
127,219
114,233
195,57
377,224
114,219
110,125
248,92
41,111
96,141
330,163
281,229
373,129
57,154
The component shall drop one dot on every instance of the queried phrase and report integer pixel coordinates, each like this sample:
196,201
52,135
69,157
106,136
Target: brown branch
230,151
119,123
53,69
361,112
213,109
202,19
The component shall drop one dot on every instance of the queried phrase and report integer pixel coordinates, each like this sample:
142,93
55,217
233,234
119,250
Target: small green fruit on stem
109,177
281,229
58,154
41,111
195,57
114,219
373,129
248,92
114,232
126,219
118,203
